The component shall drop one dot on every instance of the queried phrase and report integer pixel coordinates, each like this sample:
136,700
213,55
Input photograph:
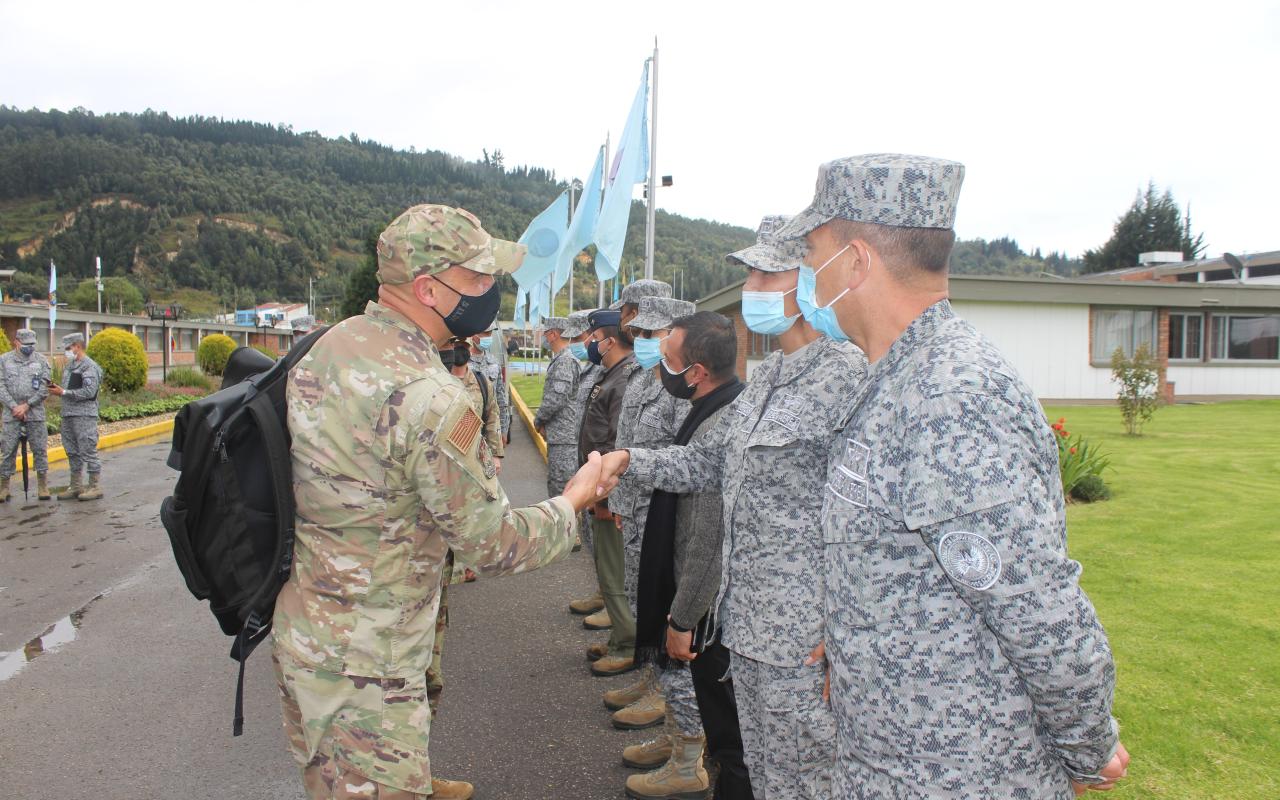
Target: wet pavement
115,682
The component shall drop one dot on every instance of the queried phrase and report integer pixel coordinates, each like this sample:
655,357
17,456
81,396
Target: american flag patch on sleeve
464,432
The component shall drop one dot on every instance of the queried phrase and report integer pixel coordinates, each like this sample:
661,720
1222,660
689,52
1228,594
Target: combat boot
616,699
650,754
612,665
597,651
42,486
92,491
442,789
598,621
587,605
646,712
73,491
681,778
5,486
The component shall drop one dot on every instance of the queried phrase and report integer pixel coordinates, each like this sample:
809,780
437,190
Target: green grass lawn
529,387
1183,564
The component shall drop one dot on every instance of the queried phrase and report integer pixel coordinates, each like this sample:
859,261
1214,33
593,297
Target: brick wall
1162,354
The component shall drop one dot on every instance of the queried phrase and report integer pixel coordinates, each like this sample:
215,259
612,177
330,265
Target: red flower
1062,420
1066,435
1057,426
1072,451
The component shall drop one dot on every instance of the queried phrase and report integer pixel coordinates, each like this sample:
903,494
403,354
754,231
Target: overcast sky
1060,112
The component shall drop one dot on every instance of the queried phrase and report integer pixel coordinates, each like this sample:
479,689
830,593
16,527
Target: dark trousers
719,712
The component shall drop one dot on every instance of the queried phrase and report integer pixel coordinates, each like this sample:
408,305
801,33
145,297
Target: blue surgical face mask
822,318
578,349
648,352
765,312
485,343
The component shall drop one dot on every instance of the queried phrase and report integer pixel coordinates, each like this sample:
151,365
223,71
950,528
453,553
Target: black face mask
674,383
460,356
471,315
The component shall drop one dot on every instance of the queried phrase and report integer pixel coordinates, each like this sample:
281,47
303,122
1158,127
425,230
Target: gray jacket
966,661
22,380
556,415
493,371
80,383
650,418
768,455
699,534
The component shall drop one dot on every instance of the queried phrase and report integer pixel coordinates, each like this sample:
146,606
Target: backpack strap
484,393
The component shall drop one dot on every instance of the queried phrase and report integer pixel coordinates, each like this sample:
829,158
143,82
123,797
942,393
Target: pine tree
1154,222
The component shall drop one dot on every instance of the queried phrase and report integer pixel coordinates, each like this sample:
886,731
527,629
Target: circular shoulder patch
969,559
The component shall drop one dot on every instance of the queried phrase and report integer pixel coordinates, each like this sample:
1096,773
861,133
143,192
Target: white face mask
70,354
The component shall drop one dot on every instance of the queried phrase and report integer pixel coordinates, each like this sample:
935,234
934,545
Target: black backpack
230,518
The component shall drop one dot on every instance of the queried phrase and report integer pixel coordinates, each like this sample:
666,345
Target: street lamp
165,314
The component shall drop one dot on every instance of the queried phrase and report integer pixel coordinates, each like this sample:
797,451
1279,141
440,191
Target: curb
527,416
110,440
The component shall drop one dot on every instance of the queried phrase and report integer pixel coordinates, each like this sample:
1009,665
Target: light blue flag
53,298
543,237
522,300
630,166
583,226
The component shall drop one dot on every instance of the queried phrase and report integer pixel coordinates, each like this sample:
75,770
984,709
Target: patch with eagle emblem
970,559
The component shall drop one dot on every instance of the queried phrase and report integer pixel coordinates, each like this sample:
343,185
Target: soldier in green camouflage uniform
23,388
390,472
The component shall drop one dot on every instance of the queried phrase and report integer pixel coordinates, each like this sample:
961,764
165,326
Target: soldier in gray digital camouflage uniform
488,355
24,378
588,376
557,420
965,659
81,379
764,456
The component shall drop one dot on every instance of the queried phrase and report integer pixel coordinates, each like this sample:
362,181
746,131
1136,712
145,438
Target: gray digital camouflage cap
769,253
576,324
645,287
427,239
555,323
657,313
72,338
882,188
25,336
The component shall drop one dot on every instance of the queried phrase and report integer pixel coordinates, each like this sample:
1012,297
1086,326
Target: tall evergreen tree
1154,222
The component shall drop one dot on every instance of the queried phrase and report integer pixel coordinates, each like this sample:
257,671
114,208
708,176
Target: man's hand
497,463
541,429
581,488
819,655
680,644
1116,768
20,411
55,390
614,464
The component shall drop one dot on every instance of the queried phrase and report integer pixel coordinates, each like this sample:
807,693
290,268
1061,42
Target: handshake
596,478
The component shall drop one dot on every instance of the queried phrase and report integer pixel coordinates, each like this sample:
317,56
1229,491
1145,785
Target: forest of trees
244,212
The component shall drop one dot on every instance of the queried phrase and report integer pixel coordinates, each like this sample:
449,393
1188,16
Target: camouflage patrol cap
428,239
576,324
657,313
555,324
645,287
25,336
882,188
615,305
72,338
769,253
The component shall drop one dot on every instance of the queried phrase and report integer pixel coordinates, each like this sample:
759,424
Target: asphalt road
115,683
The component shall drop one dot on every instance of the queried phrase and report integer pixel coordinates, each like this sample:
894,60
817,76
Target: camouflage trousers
632,542
562,463
677,689
788,730
586,533
435,672
80,440
355,737
37,445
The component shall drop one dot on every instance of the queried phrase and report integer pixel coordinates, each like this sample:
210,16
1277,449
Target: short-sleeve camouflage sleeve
981,487
452,470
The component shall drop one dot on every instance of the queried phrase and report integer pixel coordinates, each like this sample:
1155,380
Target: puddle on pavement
62,632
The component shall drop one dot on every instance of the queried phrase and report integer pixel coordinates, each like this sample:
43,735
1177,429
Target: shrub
1077,459
4,343
185,376
213,352
150,408
1091,489
1139,380
123,361
266,351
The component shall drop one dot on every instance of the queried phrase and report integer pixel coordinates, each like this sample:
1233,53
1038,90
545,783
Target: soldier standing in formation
484,358
557,418
24,385
763,458
390,472
964,656
589,375
81,379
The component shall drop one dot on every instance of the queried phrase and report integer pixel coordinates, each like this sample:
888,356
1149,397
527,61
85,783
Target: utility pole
653,163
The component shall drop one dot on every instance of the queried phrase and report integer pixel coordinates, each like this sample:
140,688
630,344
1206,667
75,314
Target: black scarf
657,582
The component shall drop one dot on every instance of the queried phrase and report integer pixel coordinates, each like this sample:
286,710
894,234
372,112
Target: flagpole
604,186
98,278
653,162
572,184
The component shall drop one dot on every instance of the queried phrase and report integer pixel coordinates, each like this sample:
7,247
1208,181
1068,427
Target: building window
762,344
1245,337
1186,336
155,340
282,343
185,338
1124,328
